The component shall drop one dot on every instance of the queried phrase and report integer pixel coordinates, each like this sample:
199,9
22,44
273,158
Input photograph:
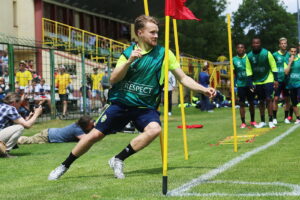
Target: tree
206,39
267,19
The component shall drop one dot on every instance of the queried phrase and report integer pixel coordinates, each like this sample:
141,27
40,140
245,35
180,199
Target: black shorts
295,96
63,97
264,91
116,116
281,89
245,93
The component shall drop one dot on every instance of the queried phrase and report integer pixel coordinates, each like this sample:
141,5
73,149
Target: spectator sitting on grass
70,133
11,122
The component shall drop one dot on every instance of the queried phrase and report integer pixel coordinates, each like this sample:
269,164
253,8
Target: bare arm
191,84
30,122
119,72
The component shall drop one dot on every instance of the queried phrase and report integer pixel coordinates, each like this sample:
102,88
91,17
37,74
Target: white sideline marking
295,189
211,174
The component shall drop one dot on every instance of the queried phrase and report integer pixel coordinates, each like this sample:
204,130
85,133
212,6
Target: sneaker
297,121
243,125
117,165
260,125
275,121
57,172
170,114
253,123
271,125
287,121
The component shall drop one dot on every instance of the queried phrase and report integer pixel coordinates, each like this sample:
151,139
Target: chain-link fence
66,85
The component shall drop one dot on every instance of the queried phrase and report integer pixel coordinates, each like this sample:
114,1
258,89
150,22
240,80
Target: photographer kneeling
11,123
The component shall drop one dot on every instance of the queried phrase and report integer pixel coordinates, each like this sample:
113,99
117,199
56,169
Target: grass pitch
90,177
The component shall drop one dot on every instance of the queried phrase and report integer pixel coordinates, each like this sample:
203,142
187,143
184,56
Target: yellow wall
22,15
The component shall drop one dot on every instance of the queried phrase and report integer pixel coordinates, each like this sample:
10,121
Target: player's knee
153,129
268,100
242,104
95,136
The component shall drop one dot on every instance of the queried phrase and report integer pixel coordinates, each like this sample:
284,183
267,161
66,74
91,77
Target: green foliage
267,19
206,39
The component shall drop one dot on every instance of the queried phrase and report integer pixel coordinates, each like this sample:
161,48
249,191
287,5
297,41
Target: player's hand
210,92
276,84
135,54
291,59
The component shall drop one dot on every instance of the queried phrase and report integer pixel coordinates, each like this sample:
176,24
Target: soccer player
292,70
281,57
264,78
243,72
134,96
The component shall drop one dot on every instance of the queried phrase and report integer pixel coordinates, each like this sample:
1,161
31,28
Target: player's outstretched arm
192,84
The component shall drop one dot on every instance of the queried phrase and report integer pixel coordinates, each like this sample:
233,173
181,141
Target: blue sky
234,4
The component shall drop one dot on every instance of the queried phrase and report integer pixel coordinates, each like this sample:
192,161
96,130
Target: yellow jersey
62,81
23,78
96,78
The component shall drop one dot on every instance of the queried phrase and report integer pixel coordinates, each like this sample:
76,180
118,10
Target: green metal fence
45,85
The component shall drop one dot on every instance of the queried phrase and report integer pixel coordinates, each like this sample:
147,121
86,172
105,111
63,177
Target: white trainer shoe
297,121
117,165
287,121
275,121
260,125
271,125
57,172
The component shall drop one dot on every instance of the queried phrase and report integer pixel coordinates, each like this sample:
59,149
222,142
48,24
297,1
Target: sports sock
71,158
291,111
298,117
270,118
252,117
243,120
286,114
262,118
275,114
125,153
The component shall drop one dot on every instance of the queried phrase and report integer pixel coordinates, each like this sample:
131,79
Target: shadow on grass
159,170
133,173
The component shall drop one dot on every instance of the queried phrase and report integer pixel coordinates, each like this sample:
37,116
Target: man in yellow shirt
62,80
96,87
23,76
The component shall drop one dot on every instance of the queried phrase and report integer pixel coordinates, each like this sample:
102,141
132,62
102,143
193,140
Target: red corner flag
177,10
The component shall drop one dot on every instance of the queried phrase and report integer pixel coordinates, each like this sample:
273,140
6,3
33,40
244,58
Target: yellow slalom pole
232,85
185,145
146,7
165,136
160,135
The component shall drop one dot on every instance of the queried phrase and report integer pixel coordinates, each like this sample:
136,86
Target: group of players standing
268,76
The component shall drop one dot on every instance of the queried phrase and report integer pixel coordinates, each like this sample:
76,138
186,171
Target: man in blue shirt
70,133
204,81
